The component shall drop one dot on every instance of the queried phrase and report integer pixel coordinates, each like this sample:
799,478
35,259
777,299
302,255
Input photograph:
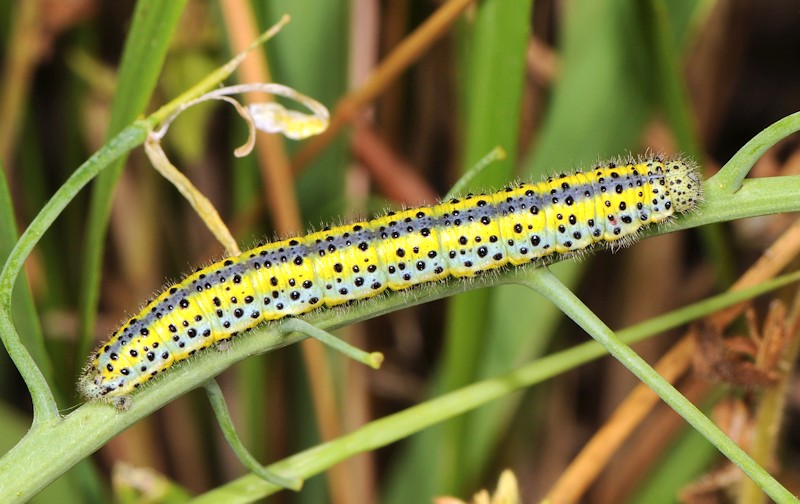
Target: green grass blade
22,305
145,50
675,105
546,284
493,95
730,177
318,33
681,465
595,83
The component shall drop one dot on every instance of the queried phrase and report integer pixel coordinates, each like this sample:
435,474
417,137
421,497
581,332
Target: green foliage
607,91
145,50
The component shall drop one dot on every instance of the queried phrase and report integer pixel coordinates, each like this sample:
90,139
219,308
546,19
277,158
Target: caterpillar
525,224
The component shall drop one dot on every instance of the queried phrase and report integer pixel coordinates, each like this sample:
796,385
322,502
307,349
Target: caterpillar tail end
93,387
90,383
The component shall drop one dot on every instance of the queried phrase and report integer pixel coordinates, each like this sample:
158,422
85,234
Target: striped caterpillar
459,238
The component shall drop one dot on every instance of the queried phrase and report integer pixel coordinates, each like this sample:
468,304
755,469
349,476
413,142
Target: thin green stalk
730,177
225,422
24,308
680,463
400,425
44,405
543,282
371,359
496,154
762,196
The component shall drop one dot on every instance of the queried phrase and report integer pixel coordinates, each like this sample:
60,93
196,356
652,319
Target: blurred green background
558,85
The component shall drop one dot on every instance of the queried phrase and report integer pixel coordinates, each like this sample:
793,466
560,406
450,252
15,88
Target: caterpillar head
685,184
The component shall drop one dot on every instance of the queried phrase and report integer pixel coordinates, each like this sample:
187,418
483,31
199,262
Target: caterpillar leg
371,359
122,403
217,401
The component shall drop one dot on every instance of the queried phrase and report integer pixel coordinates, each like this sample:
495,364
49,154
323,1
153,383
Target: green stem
400,425
543,282
225,422
496,154
47,451
24,309
44,405
761,196
372,360
730,177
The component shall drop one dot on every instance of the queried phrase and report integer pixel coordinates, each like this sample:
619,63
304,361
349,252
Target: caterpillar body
459,238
